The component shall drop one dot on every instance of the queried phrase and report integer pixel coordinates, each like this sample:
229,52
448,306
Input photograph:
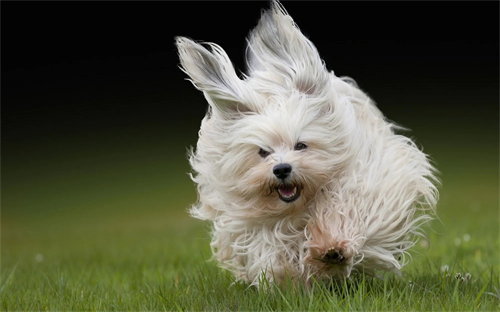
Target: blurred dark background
96,115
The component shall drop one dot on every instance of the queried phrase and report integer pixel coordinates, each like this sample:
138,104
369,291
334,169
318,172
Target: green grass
117,237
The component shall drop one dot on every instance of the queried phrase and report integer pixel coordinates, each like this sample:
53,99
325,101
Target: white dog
297,168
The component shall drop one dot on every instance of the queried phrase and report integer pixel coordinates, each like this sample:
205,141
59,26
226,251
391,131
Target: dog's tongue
287,190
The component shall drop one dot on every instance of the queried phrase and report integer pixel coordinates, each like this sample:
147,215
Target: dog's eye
263,153
300,146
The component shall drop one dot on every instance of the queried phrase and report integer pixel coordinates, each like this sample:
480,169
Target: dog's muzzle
287,192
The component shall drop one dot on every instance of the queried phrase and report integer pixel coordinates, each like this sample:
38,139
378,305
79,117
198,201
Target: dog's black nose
282,171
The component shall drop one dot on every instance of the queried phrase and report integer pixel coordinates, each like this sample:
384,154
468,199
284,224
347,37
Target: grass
69,245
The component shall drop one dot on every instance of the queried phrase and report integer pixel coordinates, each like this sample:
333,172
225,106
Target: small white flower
467,277
39,258
445,268
466,237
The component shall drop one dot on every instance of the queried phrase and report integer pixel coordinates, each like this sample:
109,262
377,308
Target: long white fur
366,190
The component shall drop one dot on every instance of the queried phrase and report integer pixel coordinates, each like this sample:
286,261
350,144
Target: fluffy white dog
297,168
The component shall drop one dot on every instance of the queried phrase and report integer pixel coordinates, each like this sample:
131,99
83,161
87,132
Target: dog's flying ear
277,45
213,73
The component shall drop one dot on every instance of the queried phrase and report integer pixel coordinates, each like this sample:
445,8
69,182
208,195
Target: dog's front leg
331,251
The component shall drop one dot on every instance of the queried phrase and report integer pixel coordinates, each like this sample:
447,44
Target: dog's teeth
288,195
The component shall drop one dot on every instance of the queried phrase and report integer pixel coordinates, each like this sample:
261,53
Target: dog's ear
277,45
213,73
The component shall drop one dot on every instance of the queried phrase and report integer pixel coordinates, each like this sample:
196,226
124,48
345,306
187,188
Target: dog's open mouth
288,193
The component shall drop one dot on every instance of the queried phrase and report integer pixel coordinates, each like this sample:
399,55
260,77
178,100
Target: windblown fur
357,193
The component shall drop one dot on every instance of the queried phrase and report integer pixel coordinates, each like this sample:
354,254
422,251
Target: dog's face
274,138
281,154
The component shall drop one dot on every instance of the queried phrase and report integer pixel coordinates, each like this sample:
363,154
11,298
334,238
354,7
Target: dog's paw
336,254
333,256
336,259
328,253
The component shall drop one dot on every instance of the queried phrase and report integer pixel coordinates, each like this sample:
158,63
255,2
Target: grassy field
91,229
96,117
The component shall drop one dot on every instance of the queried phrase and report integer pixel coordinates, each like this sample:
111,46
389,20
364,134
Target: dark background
95,112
